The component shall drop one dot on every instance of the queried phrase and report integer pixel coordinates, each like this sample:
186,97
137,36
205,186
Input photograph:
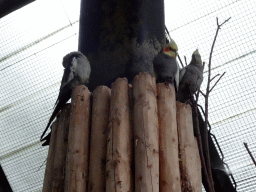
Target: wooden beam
78,140
146,133
48,176
168,139
190,164
98,143
119,149
61,149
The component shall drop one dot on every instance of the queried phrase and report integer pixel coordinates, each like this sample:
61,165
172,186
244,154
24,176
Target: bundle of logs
127,138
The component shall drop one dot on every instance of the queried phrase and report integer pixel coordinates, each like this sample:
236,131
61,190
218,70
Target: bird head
68,58
171,49
196,59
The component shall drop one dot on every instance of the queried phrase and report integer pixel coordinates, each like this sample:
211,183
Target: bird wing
69,73
83,69
182,73
64,93
199,80
177,77
77,71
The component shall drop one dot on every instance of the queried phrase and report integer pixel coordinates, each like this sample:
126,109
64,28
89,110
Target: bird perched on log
77,72
191,78
165,65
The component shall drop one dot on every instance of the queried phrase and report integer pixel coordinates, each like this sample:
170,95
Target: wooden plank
61,149
190,164
78,140
98,143
47,186
146,134
119,149
168,139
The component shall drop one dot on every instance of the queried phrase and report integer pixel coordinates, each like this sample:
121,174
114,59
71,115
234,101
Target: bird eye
166,49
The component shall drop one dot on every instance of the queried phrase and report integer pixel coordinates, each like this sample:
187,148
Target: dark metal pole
120,38
7,6
4,184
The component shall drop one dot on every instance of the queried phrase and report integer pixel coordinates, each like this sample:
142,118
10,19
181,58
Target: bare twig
214,77
206,144
249,152
223,22
203,65
217,81
185,60
218,28
180,61
202,93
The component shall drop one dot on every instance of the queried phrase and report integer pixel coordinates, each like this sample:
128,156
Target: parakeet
165,65
77,72
191,78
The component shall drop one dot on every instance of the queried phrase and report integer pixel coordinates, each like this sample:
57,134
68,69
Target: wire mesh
36,37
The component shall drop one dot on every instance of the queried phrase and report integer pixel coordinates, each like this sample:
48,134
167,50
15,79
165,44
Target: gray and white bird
165,65
77,72
191,78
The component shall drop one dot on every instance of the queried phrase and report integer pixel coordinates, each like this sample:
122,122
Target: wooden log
168,139
61,150
146,134
190,164
47,186
98,143
78,140
119,148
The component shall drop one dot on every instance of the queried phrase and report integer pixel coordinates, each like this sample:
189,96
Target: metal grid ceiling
35,38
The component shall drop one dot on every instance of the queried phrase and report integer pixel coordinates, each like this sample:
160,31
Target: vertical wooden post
146,135
48,176
190,164
155,136
168,139
78,140
98,143
119,149
61,150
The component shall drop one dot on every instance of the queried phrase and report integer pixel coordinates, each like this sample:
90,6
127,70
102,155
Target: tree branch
202,93
214,77
217,81
203,65
223,22
206,144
